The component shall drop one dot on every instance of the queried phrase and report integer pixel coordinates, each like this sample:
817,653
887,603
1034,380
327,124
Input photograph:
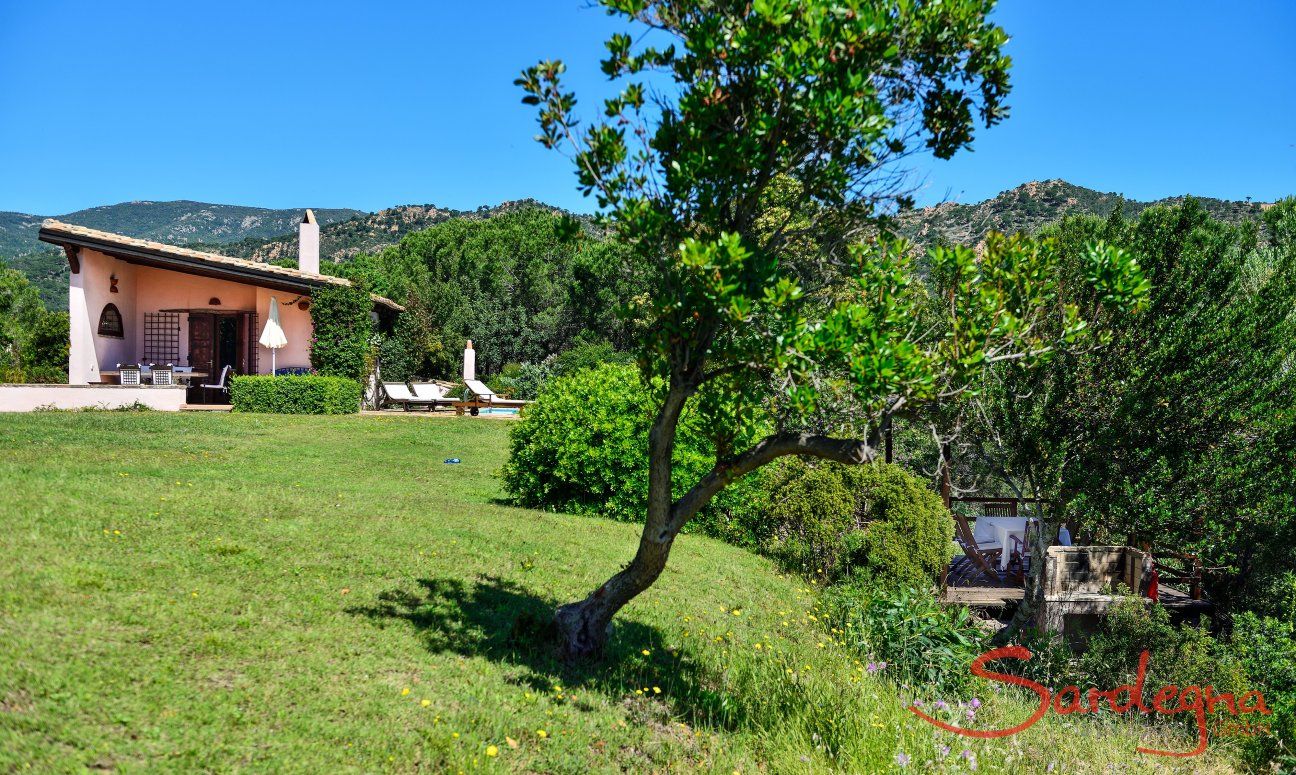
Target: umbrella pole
273,370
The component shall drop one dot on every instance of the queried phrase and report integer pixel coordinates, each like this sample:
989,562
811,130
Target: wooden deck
967,585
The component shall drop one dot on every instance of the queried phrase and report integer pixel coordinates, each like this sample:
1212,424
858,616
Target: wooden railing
1177,568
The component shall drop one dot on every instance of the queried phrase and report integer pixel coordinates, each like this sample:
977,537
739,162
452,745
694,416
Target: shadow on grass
499,620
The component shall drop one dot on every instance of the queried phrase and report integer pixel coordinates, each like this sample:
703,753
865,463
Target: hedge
295,395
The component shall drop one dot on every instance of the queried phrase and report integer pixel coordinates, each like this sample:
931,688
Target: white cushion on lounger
397,391
429,391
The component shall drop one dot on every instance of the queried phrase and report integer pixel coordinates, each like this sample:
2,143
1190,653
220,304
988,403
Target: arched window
110,322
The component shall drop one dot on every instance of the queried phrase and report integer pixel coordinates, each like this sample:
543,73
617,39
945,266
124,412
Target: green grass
257,593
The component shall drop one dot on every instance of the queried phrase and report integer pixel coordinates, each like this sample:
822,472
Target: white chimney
470,362
308,244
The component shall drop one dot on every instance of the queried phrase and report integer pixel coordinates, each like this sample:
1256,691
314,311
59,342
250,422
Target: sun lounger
398,394
481,397
432,392
485,395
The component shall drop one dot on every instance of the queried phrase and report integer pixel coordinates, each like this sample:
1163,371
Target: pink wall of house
141,290
297,327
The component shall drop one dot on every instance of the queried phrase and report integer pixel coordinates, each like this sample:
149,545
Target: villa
133,301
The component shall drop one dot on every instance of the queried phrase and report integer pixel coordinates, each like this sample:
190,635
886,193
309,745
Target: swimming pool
498,410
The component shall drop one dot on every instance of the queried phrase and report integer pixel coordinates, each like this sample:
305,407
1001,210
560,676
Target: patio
1078,580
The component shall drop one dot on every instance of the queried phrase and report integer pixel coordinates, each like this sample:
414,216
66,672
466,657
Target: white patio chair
129,374
221,384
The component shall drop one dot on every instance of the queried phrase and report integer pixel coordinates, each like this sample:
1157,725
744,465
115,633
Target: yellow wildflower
492,750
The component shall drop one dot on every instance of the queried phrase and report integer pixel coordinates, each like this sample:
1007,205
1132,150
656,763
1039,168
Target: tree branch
848,451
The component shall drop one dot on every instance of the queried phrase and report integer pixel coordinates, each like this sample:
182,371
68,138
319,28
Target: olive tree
745,162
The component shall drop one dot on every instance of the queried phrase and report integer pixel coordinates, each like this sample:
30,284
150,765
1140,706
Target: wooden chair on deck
981,556
1020,561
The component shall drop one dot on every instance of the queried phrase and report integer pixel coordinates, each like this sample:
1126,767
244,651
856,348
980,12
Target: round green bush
582,448
829,520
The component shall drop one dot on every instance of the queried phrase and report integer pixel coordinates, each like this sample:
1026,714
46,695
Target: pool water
497,410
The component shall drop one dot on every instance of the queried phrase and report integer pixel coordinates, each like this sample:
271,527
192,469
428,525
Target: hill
242,232
365,233
1032,205
270,235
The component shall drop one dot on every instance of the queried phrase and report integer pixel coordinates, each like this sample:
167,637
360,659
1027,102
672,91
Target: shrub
1266,647
830,520
923,643
583,448
295,395
588,355
343,331
521,380
1180,655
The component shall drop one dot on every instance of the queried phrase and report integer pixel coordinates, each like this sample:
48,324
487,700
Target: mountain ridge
264,234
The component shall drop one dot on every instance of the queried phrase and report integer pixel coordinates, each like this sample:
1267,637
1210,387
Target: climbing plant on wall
343,331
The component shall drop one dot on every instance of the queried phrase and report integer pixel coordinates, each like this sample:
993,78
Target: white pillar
83,364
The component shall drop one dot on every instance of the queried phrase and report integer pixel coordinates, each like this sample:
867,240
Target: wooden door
202,353
202,341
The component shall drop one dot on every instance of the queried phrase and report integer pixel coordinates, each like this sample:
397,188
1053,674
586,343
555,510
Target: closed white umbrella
273,337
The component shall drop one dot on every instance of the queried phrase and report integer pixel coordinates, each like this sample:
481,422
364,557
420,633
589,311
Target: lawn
257,593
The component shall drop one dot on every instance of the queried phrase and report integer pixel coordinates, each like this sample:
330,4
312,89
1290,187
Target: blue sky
367,105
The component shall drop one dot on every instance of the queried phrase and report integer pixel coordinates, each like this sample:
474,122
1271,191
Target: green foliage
33,340
344,331
583,448
1187,414
924,644
829,520
1179,655
587,354
737,196
523,284
1266,648
305,394
521,380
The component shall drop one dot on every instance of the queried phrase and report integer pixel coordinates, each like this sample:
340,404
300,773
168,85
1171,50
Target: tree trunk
1033,594
584,626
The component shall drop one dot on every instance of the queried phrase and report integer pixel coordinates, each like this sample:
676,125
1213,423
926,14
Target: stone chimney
308,244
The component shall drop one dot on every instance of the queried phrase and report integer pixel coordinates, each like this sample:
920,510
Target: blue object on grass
453,460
